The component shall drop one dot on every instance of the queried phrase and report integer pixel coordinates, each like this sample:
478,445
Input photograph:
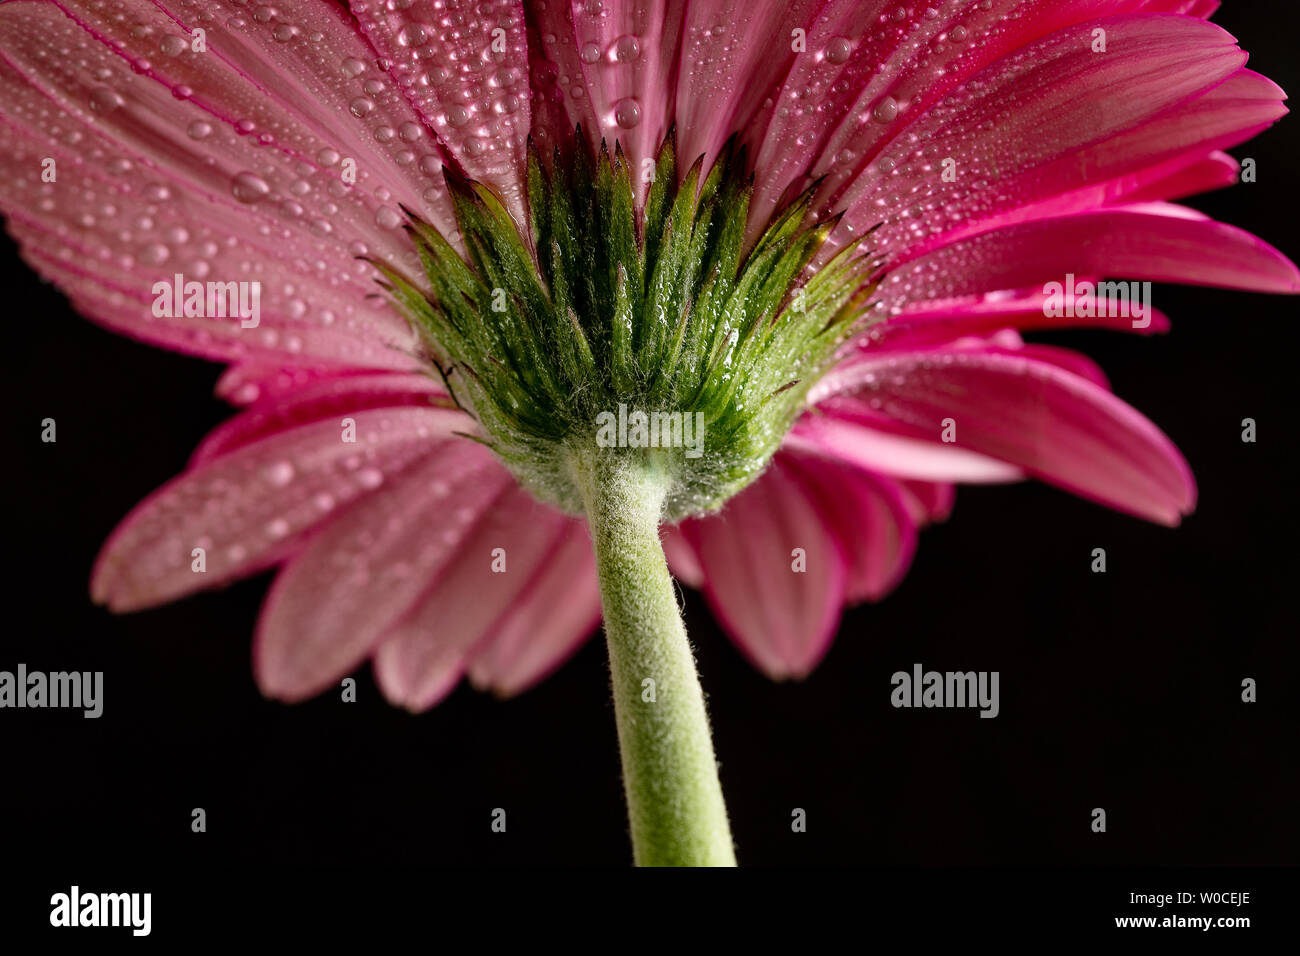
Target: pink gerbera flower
749,272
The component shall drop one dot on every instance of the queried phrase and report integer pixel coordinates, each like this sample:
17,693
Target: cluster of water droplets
245,506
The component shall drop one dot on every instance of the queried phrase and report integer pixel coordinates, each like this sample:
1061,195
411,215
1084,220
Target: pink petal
252,507
931,322
836,430
1141,161
681,557
1215,171
249,382
928,501
557,611
733,54
464,66
625,56
782,619
337,398
559,93
1155,241
1054,118
1051,423
869,515
220,166
332,603
859,55
458,613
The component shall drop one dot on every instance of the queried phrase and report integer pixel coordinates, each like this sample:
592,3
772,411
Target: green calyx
643,328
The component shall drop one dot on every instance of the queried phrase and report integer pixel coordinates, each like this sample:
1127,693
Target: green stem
670,776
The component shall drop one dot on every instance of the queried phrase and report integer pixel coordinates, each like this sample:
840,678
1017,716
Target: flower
969,154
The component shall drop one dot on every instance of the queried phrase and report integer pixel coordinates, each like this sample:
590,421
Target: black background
1119,690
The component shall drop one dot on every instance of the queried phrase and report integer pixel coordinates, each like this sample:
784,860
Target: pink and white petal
930,322
463,64
249,382
538,631
782,619
220,166
1068,359
1051,423
627,57
333,602
338,398
733,55
1052,118
846,432
1150,241
1139,161
426,651
253,507
869,515
863,55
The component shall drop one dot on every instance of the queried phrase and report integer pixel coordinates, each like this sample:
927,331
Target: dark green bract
658,309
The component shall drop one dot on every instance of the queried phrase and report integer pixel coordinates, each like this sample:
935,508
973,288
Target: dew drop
885,110
105,100
199,130
280,473
838,50
589,53
626,49
627,113
248,187
413,34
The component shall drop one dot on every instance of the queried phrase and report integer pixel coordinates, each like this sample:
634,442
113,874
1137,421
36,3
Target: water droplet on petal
838,50
249,187
280,473
105,100
627,113
199,130
885,110
626,49
413,34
